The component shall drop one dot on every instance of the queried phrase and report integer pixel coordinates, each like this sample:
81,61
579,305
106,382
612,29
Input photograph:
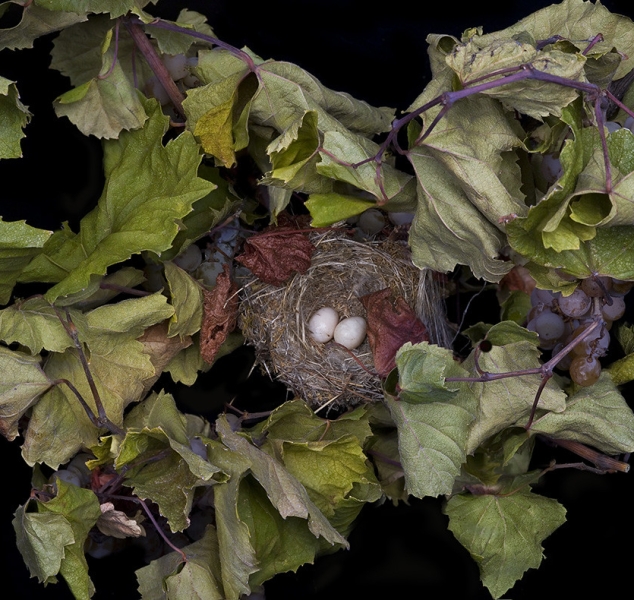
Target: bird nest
275,319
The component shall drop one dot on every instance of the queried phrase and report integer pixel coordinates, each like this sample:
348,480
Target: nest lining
275,319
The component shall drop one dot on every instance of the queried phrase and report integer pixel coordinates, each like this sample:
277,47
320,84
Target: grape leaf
295,421
294,157
326,209
42,539
383,448
432,418
610,254
474,61
19,243
116,8
187,300
287,495
22,384
156,426
597,416
118,365
148,188
35,22
193,581
172,42
78,52
237,556
503,534
578,22
81,510
341,150
106,104
508,401
34,324
14,117
159,580
329,471
280,545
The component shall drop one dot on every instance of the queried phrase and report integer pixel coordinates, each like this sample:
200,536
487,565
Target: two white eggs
324,325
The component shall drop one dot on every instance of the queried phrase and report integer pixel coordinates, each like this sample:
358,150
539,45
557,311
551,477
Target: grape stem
156,64
603,463
545,370
101,418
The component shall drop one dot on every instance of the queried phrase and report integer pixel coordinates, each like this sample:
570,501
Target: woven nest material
275,319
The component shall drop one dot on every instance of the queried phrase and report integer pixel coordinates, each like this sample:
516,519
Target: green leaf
212,110
14,117
622,370
284,491
106,104
154,427
326,209
35,22
19,243
286,92
81,510
578,22
295,421
294,156
78,52
432,418
280,545
610,254
23,382
34,324
149,187
474,61
116,8
160,580
329,472
504,402
461,197
171,42
343,149
237,556
42,539
504,534
187,300
118,365
597,416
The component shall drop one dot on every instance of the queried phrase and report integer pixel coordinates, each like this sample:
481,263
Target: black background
378,54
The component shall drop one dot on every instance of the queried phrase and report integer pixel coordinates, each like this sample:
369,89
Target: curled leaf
391,323
220,312
273,256
117,524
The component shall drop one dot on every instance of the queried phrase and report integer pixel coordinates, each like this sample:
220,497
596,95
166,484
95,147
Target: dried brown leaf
220,313
273,256
391,323
161,349
117,524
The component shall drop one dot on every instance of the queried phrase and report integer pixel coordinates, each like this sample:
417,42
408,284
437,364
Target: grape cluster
559,319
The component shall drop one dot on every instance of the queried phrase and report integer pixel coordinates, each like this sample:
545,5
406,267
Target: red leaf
273,256
391,323
220,313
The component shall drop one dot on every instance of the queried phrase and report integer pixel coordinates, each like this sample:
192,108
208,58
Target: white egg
322,324
351,332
